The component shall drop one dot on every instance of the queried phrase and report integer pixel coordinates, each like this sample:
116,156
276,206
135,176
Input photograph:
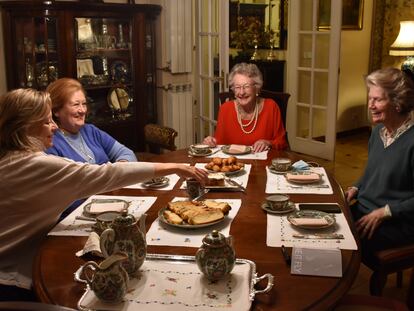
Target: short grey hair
248,70
397,85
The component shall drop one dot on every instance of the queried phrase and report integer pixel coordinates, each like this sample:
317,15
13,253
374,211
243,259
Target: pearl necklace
80,148
253,119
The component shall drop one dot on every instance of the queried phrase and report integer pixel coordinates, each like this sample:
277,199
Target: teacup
281,164
277,201
194,188
200,148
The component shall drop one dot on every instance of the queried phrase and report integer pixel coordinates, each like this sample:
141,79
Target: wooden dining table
56,262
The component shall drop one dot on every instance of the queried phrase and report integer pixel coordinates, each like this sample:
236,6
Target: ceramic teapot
108,280
216,257
126,234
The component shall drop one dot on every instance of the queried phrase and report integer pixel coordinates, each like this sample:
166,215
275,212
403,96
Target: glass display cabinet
108,47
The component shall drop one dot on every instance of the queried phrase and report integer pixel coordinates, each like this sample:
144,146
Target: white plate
238,172
87,207
304,182
290,208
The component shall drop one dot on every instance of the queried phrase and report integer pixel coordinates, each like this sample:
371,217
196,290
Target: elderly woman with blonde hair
35,187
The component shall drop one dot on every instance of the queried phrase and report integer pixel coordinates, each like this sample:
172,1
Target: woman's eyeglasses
244,87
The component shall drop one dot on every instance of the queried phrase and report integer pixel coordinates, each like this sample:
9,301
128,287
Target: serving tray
181,286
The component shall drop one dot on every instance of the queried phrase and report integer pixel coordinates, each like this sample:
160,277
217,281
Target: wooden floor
350,159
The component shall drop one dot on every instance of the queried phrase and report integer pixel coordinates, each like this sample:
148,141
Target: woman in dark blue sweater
384,210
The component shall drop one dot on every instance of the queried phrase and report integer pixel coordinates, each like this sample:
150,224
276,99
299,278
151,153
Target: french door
312,75
213,63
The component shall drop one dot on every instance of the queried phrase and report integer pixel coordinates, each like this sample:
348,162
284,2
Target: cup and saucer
281,166
199,150
278,204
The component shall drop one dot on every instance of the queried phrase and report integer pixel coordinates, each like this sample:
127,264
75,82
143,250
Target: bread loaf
196,213
207,216
172,218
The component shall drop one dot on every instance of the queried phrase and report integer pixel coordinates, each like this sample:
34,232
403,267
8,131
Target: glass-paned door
212,43
313,69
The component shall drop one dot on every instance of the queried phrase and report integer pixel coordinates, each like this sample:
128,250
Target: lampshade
404,44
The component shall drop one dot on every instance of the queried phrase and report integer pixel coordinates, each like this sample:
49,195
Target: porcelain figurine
108,280
126,234
216,256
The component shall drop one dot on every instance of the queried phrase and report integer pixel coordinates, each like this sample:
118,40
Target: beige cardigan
35,189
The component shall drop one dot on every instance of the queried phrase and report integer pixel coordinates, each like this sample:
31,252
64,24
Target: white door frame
308,145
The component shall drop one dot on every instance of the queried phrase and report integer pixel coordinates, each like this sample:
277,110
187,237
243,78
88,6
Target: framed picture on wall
352,12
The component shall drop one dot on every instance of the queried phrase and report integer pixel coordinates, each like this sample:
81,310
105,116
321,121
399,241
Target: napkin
300,165
303,177
317,222
237,148
91,246
98,208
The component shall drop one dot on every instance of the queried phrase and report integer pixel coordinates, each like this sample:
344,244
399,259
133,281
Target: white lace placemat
167,286
242,178
280,232
251,156
277,183
70,226
163,234
173,179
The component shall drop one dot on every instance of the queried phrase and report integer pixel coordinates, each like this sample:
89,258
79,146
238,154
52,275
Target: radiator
179,46
180,113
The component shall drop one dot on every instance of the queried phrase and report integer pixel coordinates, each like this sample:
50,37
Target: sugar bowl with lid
216,257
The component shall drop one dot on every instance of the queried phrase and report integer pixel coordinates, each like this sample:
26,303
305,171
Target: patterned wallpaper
386,25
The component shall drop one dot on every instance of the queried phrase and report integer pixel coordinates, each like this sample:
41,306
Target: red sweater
269,126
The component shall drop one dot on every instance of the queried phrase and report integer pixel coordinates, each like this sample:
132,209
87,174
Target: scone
216,179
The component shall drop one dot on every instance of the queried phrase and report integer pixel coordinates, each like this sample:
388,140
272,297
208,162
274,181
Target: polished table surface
56,261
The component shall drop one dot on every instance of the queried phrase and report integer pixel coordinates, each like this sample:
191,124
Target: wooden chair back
389,261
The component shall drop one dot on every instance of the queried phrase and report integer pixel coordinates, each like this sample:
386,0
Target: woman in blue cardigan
76,139
384,210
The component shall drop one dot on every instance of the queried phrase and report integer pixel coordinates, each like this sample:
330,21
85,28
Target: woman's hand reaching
162,169
210,140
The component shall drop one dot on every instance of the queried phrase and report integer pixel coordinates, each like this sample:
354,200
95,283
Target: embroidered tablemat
250,156
163,234
241,178
70,226
277,183
169,285
279,232
173,179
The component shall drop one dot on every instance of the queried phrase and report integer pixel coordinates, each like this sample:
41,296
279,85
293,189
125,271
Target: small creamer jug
216,257
108,280
126,234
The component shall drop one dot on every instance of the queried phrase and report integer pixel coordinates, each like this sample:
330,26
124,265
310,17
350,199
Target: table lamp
404,45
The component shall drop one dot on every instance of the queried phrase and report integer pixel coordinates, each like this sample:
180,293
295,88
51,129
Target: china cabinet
108,47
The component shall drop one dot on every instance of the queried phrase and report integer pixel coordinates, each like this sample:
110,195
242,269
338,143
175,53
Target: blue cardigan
103,146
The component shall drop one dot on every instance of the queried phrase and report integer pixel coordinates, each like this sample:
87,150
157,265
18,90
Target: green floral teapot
127,235
216,257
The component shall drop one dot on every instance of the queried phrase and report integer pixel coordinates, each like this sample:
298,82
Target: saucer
274,171
158,182
200,154
288,209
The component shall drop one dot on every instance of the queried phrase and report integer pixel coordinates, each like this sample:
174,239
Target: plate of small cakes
228,166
